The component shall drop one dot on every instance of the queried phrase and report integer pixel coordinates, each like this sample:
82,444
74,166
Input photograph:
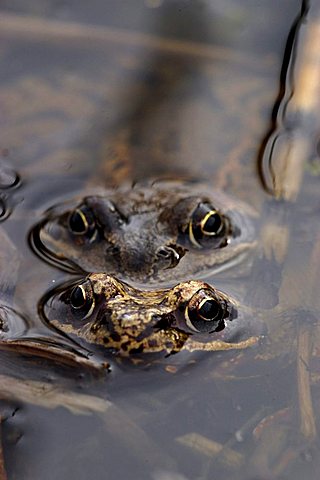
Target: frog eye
204,313
81,222
206,225
82,299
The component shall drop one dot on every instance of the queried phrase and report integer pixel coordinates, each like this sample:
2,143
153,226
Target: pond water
222,92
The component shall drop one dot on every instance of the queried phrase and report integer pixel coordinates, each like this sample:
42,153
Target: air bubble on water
8,177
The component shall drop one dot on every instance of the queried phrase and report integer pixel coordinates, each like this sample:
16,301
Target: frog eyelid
106,213
192,237
93,303
188,321
90,310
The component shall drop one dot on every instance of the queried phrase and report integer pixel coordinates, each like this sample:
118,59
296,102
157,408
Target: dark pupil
77,298
82,221
213,223
76,222
210,310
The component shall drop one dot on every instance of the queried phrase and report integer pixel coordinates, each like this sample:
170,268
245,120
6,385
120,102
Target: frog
152,232
102,311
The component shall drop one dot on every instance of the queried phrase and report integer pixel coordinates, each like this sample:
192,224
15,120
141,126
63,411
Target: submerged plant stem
3,474
307,420
290,145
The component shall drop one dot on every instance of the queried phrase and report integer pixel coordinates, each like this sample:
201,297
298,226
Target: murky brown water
131,90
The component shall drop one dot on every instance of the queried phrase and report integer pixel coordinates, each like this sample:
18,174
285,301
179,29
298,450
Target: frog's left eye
82,300
204,313
207,226
81,221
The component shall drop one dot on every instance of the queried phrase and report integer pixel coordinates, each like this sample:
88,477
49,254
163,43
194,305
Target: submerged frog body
101,310
161,232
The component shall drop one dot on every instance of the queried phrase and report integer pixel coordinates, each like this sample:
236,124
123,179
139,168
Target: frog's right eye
206,316
81,221
207,311
82,300
207,227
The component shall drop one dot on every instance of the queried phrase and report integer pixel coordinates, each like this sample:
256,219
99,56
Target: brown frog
103,311
160,232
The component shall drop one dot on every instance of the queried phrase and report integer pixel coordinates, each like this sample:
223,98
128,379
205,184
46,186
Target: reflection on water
9,179
91,105
292,141
12,323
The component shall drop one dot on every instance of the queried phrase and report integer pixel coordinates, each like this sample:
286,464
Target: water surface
149,90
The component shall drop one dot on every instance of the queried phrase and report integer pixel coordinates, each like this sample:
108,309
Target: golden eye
209,310
82,300
81,222
205,314
211,224
207,226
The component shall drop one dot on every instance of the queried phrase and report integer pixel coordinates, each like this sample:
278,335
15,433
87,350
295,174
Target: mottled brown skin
130,322
142,233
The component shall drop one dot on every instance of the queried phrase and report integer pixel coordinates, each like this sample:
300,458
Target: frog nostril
113,251
165,252
170,255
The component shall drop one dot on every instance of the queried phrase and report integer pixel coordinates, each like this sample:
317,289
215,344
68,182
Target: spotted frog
103,311
159,232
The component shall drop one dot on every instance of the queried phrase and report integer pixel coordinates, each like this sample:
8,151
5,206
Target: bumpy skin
143,233
130,322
